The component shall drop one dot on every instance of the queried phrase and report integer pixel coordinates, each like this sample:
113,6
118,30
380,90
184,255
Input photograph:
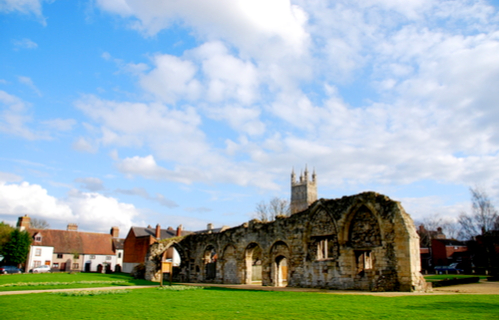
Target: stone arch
363,235
209,261
229,265
156,255
279,256
323,237
364,229
253,258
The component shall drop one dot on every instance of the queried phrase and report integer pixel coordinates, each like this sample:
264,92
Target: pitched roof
118,243
164,233
75,241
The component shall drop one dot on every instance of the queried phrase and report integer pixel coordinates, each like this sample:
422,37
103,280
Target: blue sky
125,112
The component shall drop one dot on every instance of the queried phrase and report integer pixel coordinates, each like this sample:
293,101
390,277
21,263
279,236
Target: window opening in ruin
210,260
323,249
363,261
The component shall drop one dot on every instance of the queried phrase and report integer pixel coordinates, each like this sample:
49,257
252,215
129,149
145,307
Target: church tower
304,191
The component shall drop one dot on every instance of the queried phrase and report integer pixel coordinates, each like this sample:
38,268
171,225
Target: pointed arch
280,263
323,238
364,229
253,263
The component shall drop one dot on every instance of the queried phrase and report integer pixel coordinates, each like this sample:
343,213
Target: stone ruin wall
362,242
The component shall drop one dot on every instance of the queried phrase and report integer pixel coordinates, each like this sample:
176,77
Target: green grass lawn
438,277
217,303
220,303
42,281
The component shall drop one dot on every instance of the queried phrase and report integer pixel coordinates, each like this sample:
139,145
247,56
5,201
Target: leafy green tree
5,231
17,248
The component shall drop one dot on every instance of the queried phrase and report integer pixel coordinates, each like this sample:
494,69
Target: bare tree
432,224
39,224
268,211
482,219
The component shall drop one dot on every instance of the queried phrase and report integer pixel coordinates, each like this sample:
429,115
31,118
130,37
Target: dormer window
38,237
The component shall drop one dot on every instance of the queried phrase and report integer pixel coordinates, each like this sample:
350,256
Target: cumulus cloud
90,210
252,26
15,117
427,73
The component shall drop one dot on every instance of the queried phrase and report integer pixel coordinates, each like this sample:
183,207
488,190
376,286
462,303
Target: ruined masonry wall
362,242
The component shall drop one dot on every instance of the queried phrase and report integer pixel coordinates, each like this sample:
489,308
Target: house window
38,238
59,256
37,263
55,265
92,256
38,252
119,255
108,257
76,266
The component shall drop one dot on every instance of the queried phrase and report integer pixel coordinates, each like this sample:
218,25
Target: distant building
72,250
304,191
138,240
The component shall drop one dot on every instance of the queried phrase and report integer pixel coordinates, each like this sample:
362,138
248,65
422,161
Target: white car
41,269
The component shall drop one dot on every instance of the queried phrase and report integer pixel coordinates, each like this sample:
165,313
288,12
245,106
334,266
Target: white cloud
430,69
251,26
159,198
28,82
14,118
23,6
9,177
91,211
25,44
81,144
172,79
60,124
90,183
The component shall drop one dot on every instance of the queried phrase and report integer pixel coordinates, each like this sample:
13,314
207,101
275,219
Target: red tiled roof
75,242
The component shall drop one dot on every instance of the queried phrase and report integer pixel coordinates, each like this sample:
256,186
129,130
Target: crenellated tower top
304,191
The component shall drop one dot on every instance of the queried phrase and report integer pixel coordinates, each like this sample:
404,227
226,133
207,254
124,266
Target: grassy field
220,303
40,281
438,277
217,303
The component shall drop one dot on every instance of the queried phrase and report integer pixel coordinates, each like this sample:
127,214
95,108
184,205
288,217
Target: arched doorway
210,262
281,271
279,255
253,264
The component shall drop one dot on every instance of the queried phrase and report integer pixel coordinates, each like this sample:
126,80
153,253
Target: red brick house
138,240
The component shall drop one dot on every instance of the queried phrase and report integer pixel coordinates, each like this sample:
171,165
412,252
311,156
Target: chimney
115,232
210,226
23,223
179,231
72,227
158,231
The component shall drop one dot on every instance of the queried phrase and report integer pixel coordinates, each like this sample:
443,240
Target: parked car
41,269
9,269
452,268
